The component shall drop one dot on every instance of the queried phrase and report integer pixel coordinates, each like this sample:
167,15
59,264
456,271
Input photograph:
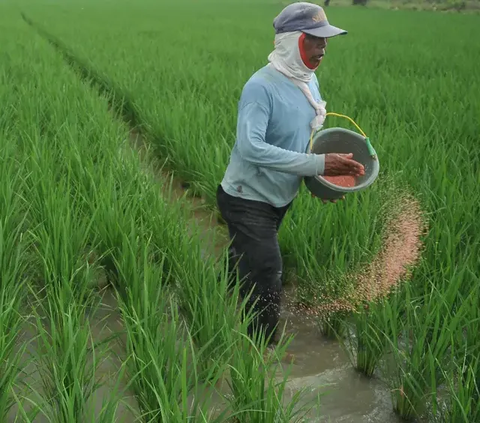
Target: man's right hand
342,164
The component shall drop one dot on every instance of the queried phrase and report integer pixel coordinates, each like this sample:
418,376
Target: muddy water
107,323
319,365
332,390
323,366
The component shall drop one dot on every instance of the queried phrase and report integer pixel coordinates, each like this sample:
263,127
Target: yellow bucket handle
338,115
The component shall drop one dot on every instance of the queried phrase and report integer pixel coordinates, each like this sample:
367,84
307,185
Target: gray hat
305,17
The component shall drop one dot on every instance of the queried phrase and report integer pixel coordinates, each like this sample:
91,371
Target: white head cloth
286,59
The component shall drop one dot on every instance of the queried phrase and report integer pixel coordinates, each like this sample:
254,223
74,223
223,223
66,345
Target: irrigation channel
319,363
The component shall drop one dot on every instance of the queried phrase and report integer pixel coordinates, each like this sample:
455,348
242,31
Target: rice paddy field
113,293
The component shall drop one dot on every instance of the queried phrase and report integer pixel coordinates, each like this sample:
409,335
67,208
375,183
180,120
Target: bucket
340,140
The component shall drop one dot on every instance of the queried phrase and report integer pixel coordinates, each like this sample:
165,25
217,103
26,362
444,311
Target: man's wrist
320,163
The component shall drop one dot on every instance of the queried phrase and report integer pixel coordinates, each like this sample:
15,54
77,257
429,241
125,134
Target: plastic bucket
340,140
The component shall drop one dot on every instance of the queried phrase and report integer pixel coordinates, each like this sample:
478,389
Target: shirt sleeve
253,117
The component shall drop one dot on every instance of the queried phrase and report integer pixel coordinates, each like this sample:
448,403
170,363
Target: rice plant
420,343
14,243
66,355
332,324
464,391
160,371
258,382
460,401
367,335
211,312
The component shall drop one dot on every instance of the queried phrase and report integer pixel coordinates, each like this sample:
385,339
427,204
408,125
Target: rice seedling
366,336
370,344
65,353
464,391
160,371
420,344
13,246
211,311
332,324
459,400
255,383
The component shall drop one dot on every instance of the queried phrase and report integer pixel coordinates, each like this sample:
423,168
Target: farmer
279,106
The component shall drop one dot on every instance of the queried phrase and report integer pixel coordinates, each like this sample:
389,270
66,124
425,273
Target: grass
409,87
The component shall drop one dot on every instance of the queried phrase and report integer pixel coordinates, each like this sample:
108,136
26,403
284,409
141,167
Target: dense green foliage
181,67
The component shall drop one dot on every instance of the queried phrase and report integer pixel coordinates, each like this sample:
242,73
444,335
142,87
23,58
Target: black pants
255,254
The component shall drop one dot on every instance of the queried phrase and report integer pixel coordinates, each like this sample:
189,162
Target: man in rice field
279,106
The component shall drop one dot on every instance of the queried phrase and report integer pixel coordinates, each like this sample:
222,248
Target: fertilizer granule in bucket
346,181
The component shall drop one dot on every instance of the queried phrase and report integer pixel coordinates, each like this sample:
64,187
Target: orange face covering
303,55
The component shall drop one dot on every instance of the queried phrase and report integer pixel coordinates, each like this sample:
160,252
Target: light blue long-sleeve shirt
269,158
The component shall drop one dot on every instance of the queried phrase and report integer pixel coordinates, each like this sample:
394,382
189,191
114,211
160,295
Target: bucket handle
371,150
